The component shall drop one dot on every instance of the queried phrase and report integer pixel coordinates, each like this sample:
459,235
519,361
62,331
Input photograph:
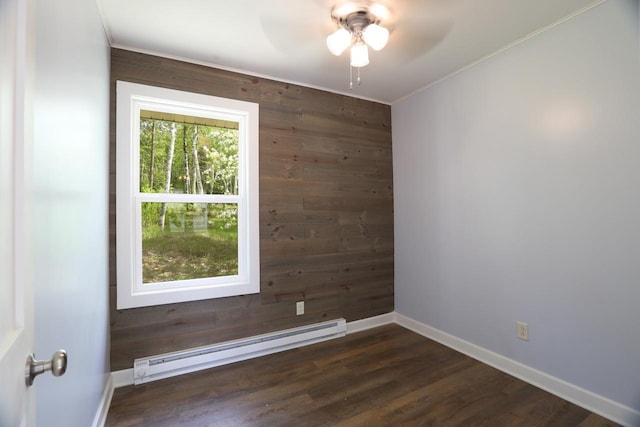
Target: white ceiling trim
248,73
105,22
505,48
437,39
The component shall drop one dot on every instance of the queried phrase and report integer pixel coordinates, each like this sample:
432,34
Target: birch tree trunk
152,159
188,217
196,164
167,182
197,175
187,172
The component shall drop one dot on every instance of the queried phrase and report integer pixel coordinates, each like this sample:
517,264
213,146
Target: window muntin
197,191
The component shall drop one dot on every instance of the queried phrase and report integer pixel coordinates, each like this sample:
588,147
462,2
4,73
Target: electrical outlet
522,331
299,308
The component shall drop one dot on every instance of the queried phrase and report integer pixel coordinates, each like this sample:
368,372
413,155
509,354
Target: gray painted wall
71,115
517,197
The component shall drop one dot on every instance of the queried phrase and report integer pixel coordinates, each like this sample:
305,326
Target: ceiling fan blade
417,26
409,42
292,37
294,26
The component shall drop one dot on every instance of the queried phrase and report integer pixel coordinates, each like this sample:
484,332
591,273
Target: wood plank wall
326,213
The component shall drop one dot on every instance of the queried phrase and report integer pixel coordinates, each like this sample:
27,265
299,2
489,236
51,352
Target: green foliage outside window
188,240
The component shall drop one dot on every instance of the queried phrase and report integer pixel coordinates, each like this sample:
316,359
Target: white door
16,300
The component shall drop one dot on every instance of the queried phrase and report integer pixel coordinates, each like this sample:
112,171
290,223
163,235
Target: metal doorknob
57,365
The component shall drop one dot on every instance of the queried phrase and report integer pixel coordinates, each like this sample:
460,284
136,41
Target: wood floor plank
387,376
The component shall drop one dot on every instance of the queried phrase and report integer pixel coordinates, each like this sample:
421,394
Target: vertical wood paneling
326,213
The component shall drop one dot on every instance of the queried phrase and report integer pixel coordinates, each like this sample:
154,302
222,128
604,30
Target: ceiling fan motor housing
355,17
356,22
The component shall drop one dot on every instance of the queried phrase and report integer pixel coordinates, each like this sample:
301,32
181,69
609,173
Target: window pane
192,156
183,241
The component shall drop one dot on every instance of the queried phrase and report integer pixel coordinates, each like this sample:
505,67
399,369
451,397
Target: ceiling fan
410,27
359,27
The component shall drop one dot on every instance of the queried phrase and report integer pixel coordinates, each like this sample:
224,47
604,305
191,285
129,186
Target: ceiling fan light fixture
338,41
359,54
379,11
376,36
359,27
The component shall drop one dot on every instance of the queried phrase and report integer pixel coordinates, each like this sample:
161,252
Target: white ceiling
285,39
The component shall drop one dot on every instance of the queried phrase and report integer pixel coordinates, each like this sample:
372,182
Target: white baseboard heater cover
181,362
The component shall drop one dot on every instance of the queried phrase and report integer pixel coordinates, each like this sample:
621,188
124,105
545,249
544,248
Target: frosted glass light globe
376,36
359,54
338,41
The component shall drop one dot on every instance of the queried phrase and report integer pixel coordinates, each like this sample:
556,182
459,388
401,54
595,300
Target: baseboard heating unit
182,362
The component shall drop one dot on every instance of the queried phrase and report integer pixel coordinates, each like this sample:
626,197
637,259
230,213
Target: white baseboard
103,409
370,322
601,405
122,378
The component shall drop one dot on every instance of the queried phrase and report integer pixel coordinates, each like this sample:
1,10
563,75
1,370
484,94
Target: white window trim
132,97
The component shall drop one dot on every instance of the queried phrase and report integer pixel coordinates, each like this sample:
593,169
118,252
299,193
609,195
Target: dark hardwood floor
387,376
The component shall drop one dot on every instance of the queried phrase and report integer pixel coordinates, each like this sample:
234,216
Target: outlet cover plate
522,331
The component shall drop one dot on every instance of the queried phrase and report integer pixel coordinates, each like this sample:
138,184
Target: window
186,196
